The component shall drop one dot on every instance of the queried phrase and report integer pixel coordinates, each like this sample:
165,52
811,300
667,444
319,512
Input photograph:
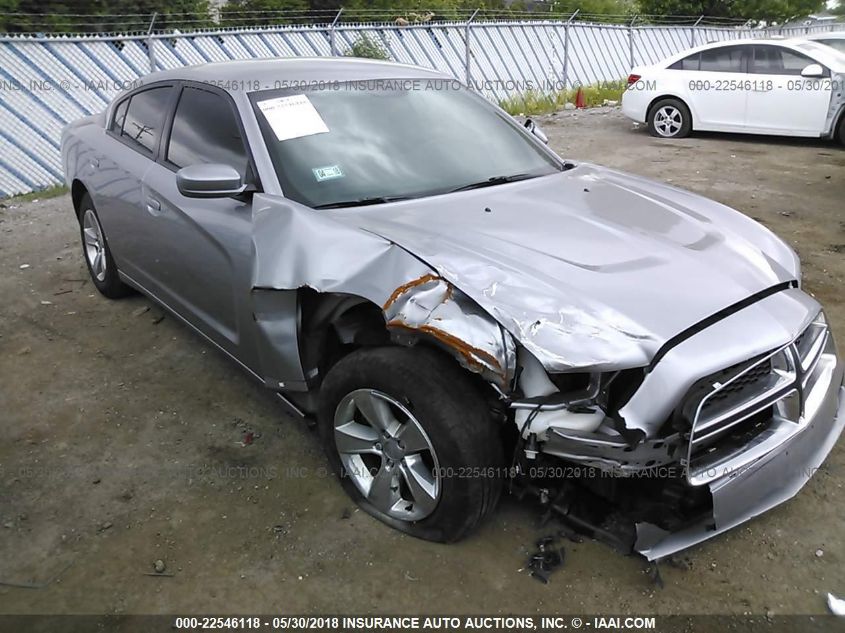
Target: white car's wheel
669,118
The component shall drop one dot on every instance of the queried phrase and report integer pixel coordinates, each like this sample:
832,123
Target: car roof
825,54
305,69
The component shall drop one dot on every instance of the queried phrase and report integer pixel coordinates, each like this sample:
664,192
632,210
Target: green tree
102,16
366,47
263,12
761,10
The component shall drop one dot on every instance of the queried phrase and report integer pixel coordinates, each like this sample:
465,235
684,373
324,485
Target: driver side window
205,130
775,60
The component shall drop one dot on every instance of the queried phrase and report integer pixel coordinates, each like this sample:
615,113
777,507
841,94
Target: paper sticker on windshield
292,117
327,173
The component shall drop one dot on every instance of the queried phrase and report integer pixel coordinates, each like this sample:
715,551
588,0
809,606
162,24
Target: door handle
153,205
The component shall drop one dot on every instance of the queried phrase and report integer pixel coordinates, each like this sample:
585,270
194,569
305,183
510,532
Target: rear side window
119,116
205,130
727,59
687,63
145,116
774,60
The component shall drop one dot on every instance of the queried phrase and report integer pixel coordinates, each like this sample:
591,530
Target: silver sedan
455,305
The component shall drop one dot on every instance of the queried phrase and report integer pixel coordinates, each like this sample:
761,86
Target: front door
783,101
204,254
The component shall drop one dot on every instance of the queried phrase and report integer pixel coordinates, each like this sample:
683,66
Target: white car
787,87
834,40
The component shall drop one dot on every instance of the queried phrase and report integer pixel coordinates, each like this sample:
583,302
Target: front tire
669,118
95,250
412,440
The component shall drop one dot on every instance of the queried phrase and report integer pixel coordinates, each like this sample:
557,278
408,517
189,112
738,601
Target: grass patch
41,194
535,102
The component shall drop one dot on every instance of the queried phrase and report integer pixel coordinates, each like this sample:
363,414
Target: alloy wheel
94,244
387,455
668,121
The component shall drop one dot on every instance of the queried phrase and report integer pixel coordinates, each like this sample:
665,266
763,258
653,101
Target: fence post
150,43
332,44
468,52
631,40
692,32
566,48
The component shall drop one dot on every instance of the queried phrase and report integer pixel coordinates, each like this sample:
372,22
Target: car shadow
766,139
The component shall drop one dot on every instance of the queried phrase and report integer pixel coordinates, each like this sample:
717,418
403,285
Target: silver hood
589,268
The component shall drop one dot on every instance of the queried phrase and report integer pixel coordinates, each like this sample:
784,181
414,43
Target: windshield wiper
495,180
361,202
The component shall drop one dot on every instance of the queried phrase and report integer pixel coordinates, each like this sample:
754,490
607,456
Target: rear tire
437,471
669,118
96,252
840,135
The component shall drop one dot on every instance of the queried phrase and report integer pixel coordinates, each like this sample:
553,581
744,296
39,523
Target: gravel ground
123,445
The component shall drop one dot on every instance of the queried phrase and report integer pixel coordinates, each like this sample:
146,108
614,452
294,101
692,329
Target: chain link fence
49,81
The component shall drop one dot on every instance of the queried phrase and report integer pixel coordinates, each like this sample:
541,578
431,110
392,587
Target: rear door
203,263
784,102
716,87
135,128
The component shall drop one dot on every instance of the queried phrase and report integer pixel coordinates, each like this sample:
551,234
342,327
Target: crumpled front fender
431,306
297,248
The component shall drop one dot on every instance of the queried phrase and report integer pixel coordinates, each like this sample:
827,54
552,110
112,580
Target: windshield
819,47
838,44
359,143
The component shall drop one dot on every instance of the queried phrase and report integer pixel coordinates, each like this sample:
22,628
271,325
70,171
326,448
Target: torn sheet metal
432,306
578,265
775,478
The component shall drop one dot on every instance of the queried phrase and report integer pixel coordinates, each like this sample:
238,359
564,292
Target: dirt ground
122,445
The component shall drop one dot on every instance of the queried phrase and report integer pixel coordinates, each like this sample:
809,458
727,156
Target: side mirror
536,131
209,180
813,70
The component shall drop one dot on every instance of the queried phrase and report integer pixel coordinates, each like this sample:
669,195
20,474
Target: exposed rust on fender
407,286
467,351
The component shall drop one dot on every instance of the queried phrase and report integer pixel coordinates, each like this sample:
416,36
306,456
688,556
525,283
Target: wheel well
660,98
332,325
839,128
77,190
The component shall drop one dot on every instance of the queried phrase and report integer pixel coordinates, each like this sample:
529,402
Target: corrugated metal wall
48,82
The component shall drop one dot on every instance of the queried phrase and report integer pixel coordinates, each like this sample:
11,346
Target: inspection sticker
327,173
292,117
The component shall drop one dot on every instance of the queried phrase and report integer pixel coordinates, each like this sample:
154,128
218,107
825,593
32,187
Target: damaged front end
431,307
657,459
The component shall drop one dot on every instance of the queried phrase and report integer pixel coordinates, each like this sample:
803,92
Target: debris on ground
836,605
159,566
139,311
546,559
819,553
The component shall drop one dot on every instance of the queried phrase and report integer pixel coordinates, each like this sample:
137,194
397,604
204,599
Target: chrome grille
741,406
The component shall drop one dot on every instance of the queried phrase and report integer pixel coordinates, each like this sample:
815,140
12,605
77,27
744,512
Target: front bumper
764,484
